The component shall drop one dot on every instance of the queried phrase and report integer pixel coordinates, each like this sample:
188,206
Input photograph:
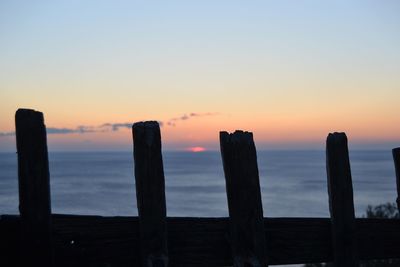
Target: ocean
293,183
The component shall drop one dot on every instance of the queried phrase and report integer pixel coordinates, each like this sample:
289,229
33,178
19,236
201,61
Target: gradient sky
290,71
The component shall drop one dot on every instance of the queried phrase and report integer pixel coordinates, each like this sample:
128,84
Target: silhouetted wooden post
244,199
396,158
341,204
150,193
34,189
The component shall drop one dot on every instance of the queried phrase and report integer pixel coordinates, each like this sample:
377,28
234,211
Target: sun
196,149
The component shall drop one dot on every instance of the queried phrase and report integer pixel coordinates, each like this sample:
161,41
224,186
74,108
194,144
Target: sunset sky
289,71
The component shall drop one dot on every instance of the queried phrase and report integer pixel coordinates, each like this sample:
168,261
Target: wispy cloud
82,129
7,133
114,127
184,117
79,129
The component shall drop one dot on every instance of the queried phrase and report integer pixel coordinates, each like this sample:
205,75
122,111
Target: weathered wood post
244,199
341,204
150,193
396,158
34,189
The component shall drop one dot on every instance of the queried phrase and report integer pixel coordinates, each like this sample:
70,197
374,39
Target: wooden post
244,199
341,204
34,189
150,193
396,159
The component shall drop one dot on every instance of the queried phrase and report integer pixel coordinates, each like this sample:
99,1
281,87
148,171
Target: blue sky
282,69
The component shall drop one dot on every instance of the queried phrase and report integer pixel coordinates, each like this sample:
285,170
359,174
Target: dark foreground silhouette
387,211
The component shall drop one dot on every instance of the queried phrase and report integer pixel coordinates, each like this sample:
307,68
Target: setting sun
196,149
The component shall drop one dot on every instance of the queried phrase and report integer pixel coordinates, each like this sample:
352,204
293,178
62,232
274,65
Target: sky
289,71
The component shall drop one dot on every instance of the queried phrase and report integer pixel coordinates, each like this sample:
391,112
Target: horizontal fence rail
246,238
115,241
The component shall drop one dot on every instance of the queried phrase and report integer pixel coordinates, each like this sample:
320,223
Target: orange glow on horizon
196,149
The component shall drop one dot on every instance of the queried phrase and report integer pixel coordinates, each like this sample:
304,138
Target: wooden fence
39,238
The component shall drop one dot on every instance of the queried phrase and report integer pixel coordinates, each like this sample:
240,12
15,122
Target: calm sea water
293,183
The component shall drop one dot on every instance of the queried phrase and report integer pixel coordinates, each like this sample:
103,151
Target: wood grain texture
341,203
150,193
247,235
34,188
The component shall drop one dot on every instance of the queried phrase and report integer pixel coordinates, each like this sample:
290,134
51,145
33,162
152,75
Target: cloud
7,134
52,130
193,114
116,126
113,127
81,129
184,117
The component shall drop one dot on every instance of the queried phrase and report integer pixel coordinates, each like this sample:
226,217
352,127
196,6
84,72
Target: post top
336,137
148,131
23,114
236,137
146,124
